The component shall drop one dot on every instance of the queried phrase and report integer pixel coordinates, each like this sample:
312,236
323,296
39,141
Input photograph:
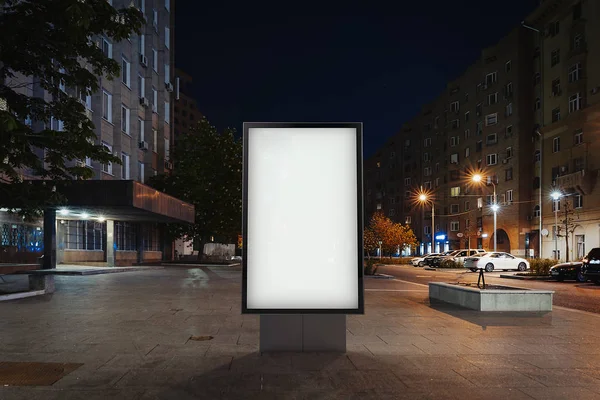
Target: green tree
46,44
208,174
392,235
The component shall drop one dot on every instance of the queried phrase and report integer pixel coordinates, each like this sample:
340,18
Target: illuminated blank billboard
303,218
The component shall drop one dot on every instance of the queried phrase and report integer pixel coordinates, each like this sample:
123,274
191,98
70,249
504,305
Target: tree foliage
392,235
207,174
46,44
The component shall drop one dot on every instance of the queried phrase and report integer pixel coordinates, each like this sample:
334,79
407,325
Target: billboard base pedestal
303,333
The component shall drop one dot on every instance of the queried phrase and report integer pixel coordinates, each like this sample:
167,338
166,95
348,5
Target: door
509,262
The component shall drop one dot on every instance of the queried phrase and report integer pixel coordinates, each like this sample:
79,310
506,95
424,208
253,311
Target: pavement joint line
395,290
575,310
412,283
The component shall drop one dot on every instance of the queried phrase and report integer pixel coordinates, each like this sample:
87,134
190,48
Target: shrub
370,267
451,264
394,260
541,266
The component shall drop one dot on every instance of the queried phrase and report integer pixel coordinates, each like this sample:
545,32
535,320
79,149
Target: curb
379,276
526,278
429,269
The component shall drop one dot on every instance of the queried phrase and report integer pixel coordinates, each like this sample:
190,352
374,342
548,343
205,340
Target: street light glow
63,211
477,178
422,197
495,207
556,195
84,215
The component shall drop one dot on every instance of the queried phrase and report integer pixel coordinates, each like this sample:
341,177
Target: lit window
455,191
454,226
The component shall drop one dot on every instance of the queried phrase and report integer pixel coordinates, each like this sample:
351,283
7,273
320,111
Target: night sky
325,62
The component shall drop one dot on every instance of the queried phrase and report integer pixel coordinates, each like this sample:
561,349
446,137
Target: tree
370,242
45,44
208,174
569,225
392,235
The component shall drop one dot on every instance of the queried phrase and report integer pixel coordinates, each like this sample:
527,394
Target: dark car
568,271
437,260
591,265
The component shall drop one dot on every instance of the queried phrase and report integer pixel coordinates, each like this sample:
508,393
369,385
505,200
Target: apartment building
115,218
186,108
481,124
567,92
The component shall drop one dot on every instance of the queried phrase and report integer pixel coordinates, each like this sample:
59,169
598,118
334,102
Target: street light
477,178
380,249
424,198
556,195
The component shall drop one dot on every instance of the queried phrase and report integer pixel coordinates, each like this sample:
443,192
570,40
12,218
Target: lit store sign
303,219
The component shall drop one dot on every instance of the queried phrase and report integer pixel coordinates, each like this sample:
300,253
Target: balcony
580,181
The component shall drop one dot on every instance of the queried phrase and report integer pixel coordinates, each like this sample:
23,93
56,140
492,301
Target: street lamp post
380,249
423,198
556,195
478,178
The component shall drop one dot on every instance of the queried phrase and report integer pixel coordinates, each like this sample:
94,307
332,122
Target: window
467,205
125,114
393,154
537,78
427,142
167,149
467,133
454,158
509,109
555,57
155,19
480,202
167,37
154,100
575,72
492,98
124,166
555,205
467,152
578,201
455,191
466,97
509,152
436,122
167,112
427,185
454,106
556,144
437,167
155,138
509,196
508,131
406,181
126,72
426,157
107,167
61,84
107,106
141,124
489,199
554,28
167,73
106,48
142,45
538,104
155,60
454,209
556,114
491,119
125,236
491,78
436,182
577,41
85,98
142,86
427,171
478,110
467,115
408,220
479,128
168,5
427,230
556,87
454,141
508,90
576,16
578,164
575,102
492,138
83,235
455,123
491,159
508,174
536,211
479,145
392,212
454,226
578,137
508,66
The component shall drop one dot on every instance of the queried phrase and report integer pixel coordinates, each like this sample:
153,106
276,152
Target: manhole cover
200,338
33,373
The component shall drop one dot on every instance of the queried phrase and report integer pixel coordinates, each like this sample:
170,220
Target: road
580,296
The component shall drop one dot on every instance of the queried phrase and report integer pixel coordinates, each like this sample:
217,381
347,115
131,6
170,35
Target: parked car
496,260
420,261
568,270
460,257
436,261
591,265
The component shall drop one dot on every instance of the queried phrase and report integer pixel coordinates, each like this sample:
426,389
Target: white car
496,261
419,261
463,254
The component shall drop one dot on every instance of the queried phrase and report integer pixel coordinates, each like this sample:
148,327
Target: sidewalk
132,334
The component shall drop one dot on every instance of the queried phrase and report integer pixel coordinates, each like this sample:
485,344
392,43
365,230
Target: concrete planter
505,299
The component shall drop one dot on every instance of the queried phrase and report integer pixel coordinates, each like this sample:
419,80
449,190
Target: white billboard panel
302,218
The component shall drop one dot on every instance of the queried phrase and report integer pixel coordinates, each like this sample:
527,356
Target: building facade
186,108
133,117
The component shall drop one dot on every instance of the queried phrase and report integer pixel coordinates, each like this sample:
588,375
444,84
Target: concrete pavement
132,334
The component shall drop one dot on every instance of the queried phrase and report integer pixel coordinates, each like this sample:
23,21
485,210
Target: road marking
412,283
394,290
